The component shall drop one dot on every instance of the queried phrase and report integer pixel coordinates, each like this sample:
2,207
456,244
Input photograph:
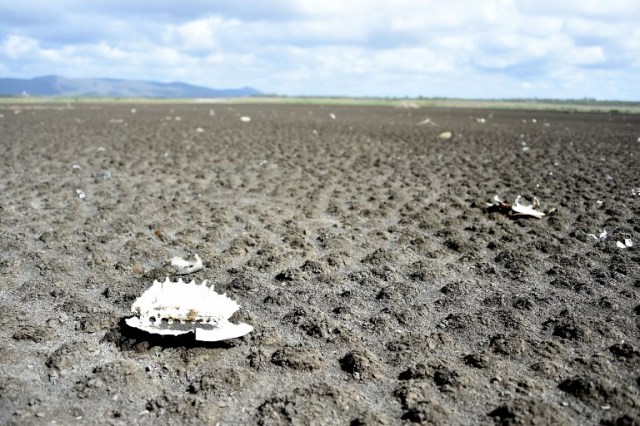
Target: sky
432,48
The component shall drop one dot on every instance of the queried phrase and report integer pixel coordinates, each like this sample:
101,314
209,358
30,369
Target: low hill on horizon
56,86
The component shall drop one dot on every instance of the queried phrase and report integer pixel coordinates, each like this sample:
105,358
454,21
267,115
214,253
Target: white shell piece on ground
445,136
516,209
521,209
245,119
185,267
627,243
426,121
603,236
175,308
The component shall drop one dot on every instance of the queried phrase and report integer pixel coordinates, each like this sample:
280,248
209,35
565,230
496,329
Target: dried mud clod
318,403
529,412
361,364
298,358
68,355
34,333
120,377
596,391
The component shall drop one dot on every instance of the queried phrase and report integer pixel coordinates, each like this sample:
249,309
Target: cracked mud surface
381,289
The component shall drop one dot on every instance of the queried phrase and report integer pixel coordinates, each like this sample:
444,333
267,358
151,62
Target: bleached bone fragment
627,243
175,308
515,209
185,267
525,210
445,136
603,236
245,119
426,121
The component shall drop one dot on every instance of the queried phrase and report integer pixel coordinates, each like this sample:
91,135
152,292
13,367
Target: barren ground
381,289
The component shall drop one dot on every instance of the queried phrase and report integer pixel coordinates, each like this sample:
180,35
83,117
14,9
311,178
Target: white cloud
492,48
585,55
200,34
16,46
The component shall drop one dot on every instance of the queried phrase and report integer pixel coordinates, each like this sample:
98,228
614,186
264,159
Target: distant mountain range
113,88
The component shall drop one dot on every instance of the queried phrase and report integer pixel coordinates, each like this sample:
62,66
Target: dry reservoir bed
357,243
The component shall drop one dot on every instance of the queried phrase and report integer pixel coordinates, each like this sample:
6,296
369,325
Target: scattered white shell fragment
635,191
133,111
333,116
200,130
481,120
527,210
76,167
80,194
603,236
516,209
185,267
445,136
245,119
101,149
175,308
106,175
426,121
116,121
627,243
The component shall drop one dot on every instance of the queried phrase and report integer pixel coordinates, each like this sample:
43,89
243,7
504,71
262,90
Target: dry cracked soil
358,243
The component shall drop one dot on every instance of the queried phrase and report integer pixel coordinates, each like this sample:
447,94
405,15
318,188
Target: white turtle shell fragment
174,308
525,210
516,209
185,267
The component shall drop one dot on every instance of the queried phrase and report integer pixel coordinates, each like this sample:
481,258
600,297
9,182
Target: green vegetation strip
579,105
